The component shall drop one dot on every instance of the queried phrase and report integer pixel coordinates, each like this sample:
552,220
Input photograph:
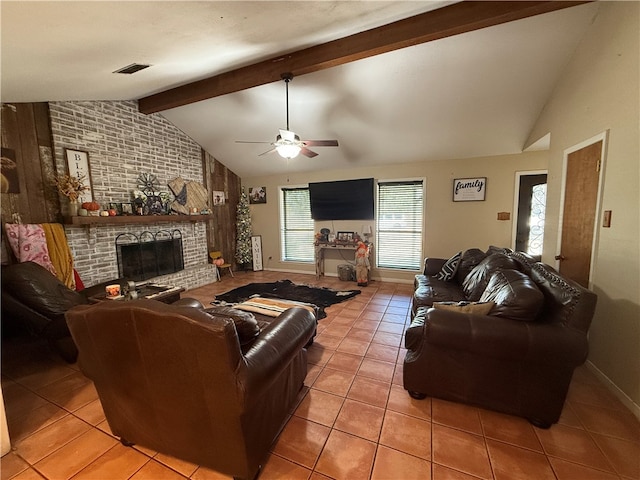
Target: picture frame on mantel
78,165
469,189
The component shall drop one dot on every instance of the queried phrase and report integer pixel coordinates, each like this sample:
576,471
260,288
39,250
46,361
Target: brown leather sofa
35,300
203,387
517,359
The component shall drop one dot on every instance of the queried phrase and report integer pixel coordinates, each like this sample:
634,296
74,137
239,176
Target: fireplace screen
149,255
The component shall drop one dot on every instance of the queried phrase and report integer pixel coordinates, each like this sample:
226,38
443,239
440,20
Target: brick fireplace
122,144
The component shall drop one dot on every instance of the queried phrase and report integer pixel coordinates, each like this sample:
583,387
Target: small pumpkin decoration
91,206
218,262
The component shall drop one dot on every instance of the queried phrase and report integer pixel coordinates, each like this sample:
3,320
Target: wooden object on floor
216,256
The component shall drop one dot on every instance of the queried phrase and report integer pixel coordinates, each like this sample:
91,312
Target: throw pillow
449,268
246,324
478,308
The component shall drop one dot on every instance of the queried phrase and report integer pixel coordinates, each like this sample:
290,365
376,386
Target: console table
321,248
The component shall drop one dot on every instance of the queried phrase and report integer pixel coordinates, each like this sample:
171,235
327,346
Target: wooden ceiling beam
433,25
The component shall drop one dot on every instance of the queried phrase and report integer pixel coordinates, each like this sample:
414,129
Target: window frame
282,226
378,250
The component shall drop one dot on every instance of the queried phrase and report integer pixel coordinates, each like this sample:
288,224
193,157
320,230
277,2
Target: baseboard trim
613,388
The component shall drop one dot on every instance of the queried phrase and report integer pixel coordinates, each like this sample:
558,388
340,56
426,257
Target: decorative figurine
362,264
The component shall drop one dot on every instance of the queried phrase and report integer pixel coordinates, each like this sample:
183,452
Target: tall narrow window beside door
399,224
296,225
531,204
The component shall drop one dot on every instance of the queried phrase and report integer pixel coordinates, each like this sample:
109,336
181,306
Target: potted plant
91,207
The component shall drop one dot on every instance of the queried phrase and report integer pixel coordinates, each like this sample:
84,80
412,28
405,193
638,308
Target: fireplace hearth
149,255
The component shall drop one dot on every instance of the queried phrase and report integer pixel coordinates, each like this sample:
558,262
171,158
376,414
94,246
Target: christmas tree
243,237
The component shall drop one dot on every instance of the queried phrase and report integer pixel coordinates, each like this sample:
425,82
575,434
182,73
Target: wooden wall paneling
47,160
26,130
207,166
37,207
13,203
221,231
225,234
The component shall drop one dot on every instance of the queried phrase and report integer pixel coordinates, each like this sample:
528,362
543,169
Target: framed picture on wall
218,198
469,189
257,195
78,166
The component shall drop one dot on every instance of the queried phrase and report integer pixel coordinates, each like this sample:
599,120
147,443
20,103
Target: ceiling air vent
133,68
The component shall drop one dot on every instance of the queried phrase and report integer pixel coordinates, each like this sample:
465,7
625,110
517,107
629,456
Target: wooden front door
580,210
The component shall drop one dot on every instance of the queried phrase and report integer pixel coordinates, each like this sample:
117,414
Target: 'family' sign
469,189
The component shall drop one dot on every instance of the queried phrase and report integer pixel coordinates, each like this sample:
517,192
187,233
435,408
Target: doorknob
560,257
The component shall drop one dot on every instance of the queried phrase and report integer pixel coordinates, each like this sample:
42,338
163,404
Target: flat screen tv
342,200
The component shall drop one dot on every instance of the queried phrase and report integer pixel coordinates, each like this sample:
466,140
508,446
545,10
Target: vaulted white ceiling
474,94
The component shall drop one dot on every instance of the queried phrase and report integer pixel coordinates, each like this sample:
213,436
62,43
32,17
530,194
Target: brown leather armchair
175,379
35,300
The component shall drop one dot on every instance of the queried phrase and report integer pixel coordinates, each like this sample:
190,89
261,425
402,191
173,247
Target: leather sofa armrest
433,265
498,337
277,344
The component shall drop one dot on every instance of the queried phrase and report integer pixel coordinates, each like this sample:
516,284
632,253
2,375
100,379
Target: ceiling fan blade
308,153
268,151
288,135
320,143
243,141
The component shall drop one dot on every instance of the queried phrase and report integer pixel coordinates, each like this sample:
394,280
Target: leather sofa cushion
515,295
246,324
478,278
430,289
470,258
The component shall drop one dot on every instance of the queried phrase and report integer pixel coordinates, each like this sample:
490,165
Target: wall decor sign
469,189
78,165
256,252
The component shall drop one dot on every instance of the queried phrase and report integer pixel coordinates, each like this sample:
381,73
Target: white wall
449,226
598,92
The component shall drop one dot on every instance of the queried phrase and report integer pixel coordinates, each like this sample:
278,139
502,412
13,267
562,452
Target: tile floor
354,420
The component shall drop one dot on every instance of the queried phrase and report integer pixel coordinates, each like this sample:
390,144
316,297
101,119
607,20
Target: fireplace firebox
149,255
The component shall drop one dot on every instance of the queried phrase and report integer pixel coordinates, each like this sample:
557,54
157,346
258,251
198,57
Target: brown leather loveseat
518,355
203,387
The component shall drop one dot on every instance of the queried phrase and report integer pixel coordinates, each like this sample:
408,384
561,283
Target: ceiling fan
288,144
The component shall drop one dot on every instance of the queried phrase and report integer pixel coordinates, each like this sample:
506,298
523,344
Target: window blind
297,233
399,225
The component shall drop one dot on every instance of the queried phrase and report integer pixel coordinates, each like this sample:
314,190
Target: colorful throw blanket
60,253
270,306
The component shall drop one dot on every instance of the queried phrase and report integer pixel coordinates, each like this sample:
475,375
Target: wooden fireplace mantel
135,219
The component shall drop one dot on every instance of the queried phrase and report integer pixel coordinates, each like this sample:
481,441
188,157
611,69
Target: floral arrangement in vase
71,187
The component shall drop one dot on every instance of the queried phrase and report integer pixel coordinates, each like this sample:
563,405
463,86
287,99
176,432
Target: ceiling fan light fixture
288,151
